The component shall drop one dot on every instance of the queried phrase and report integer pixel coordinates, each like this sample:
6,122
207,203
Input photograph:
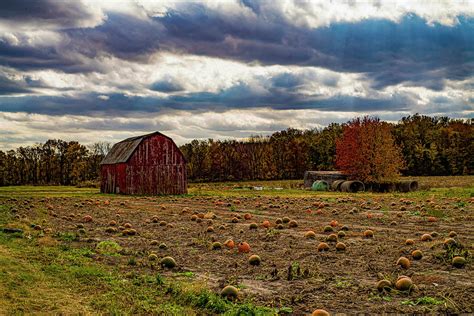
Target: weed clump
449,242
108,247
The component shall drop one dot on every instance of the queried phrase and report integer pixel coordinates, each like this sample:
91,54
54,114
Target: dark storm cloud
409,51
27,57
124,36
80,49
9,86
60,13
241,96
387,51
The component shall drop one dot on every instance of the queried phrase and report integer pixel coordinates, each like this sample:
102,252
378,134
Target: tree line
428,146
55,162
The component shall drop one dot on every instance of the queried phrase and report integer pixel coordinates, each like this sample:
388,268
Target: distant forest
430,146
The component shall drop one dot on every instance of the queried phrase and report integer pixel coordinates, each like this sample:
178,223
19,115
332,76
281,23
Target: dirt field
293,275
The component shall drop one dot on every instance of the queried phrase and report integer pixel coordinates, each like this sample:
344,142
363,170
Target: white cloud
21,129
317,13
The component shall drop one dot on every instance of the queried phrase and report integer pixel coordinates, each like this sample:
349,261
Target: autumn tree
367,151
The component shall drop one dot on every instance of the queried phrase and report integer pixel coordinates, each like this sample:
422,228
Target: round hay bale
320,185
352,186
336,185
407,186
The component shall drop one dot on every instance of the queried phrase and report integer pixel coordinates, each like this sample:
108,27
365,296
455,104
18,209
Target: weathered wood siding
113,178
157,166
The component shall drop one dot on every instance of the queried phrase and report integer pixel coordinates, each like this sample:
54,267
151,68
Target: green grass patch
108,247
64,279
425,300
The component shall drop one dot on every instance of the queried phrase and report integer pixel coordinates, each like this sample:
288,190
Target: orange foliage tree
367,151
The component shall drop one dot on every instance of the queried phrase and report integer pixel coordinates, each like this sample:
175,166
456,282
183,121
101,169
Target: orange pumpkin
244,247
334,223
229,244
266,224
247,216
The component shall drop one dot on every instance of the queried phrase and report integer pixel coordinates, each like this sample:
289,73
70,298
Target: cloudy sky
106,70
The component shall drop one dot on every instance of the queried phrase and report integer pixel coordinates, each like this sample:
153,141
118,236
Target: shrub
108,247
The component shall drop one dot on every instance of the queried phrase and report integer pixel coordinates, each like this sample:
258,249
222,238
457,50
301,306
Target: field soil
292,274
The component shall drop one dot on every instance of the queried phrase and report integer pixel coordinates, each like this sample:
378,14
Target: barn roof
122,151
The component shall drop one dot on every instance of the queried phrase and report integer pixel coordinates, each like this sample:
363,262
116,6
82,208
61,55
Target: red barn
148,164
